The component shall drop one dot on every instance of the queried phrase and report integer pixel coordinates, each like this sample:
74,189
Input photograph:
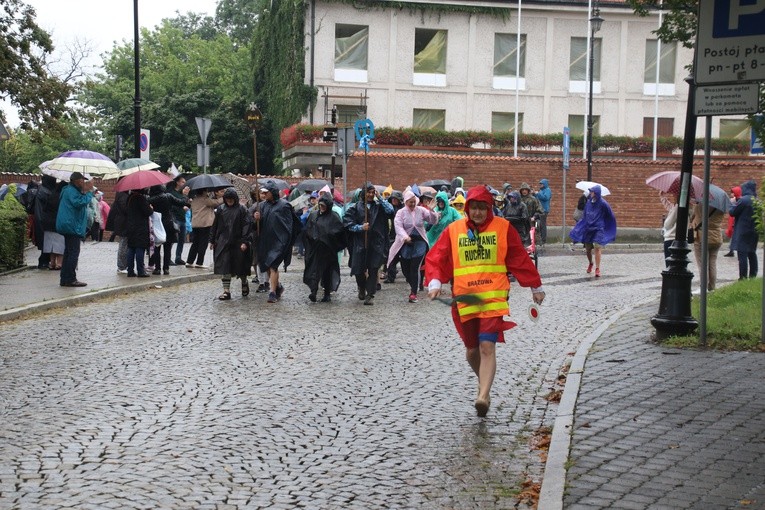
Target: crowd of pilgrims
384,232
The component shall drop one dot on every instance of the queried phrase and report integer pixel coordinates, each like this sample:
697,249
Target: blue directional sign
729,45
756,142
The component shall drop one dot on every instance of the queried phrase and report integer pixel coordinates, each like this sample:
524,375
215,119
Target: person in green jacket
448,214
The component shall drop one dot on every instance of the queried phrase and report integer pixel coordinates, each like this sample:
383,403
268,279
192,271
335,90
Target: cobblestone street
170,398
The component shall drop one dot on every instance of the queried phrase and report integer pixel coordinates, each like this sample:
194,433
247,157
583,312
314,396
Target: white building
406,67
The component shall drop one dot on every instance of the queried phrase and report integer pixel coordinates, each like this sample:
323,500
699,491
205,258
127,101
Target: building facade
421,67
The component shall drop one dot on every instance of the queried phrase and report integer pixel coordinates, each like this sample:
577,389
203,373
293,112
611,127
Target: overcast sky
101,22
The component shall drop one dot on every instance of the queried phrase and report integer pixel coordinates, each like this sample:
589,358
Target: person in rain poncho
446,215
745,236
277,235
411,242
231,241
596,229
475,254
516,213
324,236
458,202
367,222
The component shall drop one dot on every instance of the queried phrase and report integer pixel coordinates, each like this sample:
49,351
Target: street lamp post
595,23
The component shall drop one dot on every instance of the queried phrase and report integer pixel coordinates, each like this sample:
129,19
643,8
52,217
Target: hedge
505,140
13,229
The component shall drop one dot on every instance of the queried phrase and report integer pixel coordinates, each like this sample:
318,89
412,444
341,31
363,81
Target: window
506,59
505,122
577,69
347,115
735,128
664,127
666,68
429,119
429,57
351,50
577,125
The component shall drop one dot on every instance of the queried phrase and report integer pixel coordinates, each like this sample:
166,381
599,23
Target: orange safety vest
479,269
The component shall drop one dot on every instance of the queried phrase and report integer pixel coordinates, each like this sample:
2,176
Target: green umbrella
131,165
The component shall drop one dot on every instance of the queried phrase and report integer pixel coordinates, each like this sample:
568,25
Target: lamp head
596,21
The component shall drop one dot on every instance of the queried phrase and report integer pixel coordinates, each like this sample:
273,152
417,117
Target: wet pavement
158,395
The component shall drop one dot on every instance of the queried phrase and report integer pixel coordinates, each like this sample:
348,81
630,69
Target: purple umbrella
84,162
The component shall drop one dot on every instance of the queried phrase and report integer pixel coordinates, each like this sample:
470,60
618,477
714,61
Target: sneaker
597,272
263,287
412,298
122,271
165,271
312,297
368,300
589,268
279,291
272,297
362,293
179,262
255,280
200,266
729,254
326,298
189,264
156,272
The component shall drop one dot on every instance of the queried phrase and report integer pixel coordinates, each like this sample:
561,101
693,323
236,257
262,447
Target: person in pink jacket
411,242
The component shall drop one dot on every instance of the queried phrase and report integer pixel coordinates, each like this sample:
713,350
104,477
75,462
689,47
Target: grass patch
734,318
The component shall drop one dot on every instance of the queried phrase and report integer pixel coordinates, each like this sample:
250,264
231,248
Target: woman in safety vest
476,254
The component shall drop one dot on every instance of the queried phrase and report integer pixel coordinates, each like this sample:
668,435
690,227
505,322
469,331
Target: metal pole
255,166
589,115
137,79
704,269
674,317
517,79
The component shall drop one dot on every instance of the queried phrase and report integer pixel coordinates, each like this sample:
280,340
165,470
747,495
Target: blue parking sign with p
738,18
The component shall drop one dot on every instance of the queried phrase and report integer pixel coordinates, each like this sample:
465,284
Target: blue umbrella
719,199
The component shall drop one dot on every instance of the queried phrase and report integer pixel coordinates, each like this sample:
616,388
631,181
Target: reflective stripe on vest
479,269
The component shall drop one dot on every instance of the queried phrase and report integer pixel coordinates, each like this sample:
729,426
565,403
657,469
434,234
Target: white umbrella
83,162
586,185
62,175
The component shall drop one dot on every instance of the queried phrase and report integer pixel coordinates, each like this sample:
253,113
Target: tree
24,80
188,69
278,53
679,24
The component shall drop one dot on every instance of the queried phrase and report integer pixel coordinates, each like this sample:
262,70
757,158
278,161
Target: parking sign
730,42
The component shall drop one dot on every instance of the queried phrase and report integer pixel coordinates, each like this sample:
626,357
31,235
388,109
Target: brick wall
634,203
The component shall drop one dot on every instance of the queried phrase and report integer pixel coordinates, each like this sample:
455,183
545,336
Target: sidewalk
31,290
655,427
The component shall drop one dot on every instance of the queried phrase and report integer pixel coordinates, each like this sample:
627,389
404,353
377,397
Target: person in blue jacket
543,195
745,235
596,228
72,223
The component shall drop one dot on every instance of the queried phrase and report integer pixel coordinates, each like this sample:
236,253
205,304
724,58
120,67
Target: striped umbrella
84,162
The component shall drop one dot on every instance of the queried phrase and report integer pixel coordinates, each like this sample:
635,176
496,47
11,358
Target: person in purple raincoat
596,228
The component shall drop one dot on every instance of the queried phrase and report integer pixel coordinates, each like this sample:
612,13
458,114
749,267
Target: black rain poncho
277,226
323,237
230,229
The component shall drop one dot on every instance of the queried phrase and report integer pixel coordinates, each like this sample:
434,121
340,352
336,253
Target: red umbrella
142,179
669,182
